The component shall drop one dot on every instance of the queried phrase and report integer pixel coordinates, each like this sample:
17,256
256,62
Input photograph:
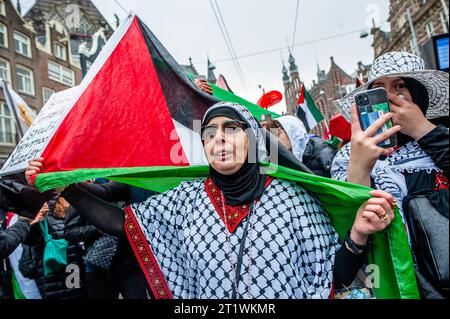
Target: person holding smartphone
416,167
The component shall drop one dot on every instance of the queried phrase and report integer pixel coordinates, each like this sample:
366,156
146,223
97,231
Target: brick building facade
39,55
329,86
429,18
292,84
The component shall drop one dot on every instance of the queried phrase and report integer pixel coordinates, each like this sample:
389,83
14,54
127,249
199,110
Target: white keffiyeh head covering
296,131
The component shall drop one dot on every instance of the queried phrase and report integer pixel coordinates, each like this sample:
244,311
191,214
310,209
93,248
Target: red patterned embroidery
234,214
145,257
396,148
441,181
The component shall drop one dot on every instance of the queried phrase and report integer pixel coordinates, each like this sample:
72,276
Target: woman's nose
220,136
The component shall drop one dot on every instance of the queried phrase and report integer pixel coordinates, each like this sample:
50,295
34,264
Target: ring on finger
383,217
394,203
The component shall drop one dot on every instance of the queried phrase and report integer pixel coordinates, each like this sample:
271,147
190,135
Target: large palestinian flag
135,119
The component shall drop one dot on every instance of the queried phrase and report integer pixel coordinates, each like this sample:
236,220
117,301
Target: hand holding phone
373,105
365,150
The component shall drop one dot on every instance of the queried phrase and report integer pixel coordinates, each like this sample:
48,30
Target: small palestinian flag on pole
307,110
23,114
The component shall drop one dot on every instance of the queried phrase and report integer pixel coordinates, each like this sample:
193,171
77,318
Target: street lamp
364,33
413,33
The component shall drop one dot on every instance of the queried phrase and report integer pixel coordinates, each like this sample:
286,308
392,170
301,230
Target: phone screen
371,113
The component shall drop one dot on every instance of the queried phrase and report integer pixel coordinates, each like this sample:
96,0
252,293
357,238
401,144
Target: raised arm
99,213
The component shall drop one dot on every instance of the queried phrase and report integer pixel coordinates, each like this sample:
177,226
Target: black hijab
419,95
247,184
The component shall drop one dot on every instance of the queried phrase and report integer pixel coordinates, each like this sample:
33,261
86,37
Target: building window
85,27
61,74
2,8
22,44
46,94
401,21
5,71
7,126
60,51
25,80
430,29
3,35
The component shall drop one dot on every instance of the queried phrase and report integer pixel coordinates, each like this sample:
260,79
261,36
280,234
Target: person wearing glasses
238,233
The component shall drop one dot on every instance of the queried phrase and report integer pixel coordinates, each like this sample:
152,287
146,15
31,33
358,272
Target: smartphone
371,105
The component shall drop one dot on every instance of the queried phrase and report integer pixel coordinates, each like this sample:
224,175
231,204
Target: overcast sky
189,28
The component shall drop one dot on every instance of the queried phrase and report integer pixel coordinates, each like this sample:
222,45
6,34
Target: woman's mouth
222,155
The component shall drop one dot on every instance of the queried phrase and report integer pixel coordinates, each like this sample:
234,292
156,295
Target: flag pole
12,108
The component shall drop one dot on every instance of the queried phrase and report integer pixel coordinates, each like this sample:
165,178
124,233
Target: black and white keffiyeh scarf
181,244
388,175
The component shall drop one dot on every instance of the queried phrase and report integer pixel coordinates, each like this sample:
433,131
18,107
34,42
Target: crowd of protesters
306,260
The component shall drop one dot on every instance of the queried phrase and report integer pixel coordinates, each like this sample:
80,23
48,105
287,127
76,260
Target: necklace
231,258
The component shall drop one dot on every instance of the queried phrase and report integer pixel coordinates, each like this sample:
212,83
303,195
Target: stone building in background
39,53
292,84
79,18
329,86
428,17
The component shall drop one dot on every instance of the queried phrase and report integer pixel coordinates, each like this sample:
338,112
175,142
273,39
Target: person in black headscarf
239,233
417,169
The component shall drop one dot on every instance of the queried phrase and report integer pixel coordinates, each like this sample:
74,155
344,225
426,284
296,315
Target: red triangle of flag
121,119
301,97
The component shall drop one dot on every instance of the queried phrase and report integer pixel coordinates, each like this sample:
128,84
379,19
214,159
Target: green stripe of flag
255,109
390,251
225,95
312,107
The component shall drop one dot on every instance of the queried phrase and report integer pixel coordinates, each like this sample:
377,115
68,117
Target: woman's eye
232,128
210,133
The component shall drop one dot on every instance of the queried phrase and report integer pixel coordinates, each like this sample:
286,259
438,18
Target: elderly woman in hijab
418,166
239,233
311,151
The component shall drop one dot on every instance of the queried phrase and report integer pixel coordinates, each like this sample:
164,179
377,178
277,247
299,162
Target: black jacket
77,230
318,156
52,286
17,196
13,237
432,185
9,240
